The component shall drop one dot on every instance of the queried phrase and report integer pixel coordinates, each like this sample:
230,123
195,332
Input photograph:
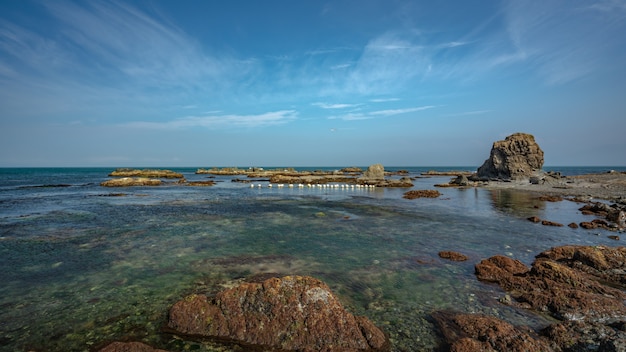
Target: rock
289,313
550,198
421,194
460,180
131,181
201,183
129,347
374,173
573,225
403,182
148,173
454,256
477,333
551,223
569,282
582,336
518,156
534,219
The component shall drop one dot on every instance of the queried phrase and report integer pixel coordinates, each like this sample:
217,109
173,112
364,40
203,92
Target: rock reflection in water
516,203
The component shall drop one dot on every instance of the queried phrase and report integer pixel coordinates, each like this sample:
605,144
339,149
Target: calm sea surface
82,265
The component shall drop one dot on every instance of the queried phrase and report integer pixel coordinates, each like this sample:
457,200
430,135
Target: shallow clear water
83,264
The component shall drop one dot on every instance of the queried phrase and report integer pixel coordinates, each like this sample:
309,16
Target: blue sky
309,83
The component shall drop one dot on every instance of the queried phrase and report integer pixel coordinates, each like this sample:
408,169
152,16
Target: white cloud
220,121
392,112
384,100
380,113
335,106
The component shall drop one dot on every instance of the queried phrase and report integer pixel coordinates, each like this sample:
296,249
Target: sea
82,265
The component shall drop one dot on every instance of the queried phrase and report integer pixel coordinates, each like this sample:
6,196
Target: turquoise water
83,265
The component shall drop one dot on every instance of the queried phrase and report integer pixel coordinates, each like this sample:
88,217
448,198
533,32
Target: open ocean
82,265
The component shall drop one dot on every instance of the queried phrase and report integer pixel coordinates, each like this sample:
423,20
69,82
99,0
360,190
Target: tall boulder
374,173
518,156
290,313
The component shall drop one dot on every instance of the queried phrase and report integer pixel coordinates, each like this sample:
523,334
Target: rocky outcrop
478,333
615,215
374,174
146,173
570,282
131,181
583,286
289,313
518,156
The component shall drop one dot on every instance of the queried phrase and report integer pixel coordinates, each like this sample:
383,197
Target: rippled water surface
83,265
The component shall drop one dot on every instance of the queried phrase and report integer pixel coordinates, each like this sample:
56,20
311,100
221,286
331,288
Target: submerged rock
518,156
454,256
289,313
424,193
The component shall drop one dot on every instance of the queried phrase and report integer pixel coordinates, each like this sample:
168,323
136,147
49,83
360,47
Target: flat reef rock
518,156
288,313
149,173
131,181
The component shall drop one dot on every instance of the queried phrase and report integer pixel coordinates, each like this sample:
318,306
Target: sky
309,83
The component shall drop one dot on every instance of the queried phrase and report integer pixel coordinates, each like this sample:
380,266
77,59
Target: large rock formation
289,313
374,173
518,156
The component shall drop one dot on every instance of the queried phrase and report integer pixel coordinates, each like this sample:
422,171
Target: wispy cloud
379,113
334,106
92,53
220,121
384,100
387,62
564,43
392,112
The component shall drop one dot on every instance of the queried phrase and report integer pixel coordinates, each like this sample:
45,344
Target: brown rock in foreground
517,156
129,347
289,313
477,333
570,282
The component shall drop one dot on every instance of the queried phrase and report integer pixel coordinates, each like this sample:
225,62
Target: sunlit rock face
290,313
518,156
